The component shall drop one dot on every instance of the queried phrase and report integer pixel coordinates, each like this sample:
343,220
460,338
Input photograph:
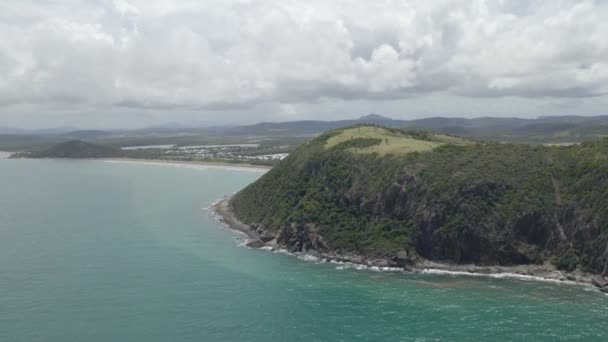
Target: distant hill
10,130
404,196
374,118
556,129
77,149
543,130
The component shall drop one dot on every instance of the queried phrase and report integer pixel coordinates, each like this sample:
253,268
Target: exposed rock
379,263
600,282
409,269
301,238
355,259
255,243
401,259
257,228
266,237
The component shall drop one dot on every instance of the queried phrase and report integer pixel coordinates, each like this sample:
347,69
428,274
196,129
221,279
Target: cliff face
386,193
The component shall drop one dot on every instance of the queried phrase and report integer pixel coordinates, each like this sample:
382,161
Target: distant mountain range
547,129
477,127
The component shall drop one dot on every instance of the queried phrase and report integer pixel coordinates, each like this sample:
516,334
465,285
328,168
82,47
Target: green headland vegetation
388,192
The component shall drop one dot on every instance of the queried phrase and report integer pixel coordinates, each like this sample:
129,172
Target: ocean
102,251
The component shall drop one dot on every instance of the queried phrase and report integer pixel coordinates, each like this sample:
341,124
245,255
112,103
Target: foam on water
243,239
506,275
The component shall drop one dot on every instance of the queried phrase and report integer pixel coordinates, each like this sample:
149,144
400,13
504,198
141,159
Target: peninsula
411,199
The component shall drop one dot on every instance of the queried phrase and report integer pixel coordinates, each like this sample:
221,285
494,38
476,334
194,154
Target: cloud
219,54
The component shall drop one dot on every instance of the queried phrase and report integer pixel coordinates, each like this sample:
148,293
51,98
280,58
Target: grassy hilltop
386,192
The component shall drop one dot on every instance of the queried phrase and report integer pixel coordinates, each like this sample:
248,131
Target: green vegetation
215,153
391,141
568,261
75,149
543,130
368,190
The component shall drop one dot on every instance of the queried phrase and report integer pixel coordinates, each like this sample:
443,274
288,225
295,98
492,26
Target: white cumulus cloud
229,55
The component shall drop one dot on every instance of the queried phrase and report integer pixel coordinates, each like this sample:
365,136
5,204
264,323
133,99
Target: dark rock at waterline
601,283
266,237
401,259
256,243
257,228
301,237
378,263
355,259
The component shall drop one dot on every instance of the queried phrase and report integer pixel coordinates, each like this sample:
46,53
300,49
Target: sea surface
99,251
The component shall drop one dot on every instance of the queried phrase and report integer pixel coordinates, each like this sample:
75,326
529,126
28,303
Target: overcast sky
133,63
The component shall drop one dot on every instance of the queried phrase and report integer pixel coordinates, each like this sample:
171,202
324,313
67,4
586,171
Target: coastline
239,166
545,272
223,165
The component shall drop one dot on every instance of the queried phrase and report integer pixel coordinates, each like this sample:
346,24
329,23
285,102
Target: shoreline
168,162
185,163
545,272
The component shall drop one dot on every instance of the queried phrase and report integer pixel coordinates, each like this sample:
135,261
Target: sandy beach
229,166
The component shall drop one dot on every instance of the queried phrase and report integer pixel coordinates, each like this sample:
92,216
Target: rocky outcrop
482,204
306,239
302,238
402,259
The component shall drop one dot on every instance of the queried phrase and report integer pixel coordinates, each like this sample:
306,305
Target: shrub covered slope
380,192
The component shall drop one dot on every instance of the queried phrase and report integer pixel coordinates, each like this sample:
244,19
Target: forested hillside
387,192
75,149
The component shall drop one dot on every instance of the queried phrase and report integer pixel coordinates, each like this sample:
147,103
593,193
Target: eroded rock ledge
306,239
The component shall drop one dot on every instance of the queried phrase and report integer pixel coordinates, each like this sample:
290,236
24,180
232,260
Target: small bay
99,251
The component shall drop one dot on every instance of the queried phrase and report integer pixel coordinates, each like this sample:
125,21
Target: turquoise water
96,251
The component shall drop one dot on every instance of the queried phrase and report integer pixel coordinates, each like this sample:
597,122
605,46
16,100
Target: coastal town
226,152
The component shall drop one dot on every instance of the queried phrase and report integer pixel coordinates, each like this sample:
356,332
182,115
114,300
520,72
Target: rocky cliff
404,196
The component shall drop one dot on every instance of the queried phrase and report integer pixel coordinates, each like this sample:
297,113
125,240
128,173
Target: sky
136,63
